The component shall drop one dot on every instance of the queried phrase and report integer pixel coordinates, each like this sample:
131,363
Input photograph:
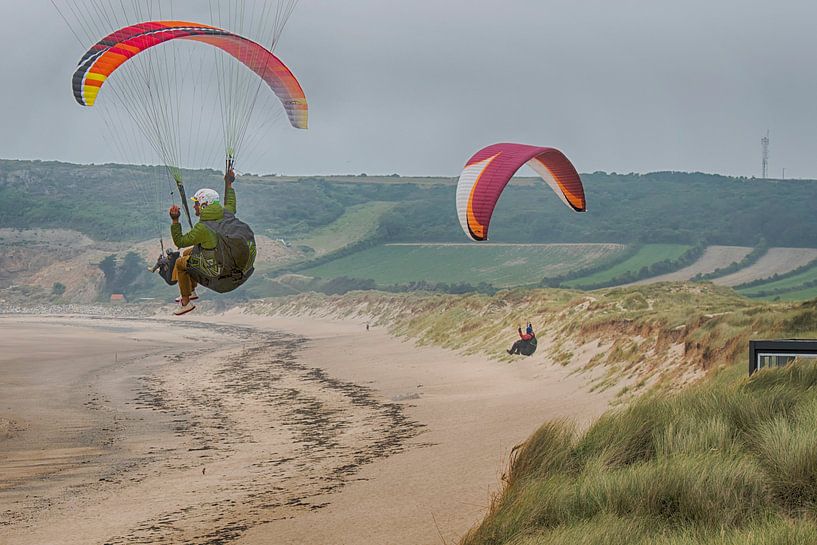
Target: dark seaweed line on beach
254,372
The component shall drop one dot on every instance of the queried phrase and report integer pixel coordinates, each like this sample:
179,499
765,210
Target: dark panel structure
764,354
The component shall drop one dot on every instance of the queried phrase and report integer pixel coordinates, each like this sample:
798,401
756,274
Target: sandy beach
256,430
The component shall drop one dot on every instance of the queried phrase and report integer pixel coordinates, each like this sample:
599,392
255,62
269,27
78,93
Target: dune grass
716,464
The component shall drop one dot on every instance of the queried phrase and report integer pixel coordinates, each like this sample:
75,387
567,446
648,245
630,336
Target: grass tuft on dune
719,463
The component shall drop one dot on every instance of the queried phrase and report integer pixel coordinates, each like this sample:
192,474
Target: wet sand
256,430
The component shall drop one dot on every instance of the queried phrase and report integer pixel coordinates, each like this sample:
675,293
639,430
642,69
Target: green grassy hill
104,202
647,255
357,223
803,294
339,225
799,286
496,264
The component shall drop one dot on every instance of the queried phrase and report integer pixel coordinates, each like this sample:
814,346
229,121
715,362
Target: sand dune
256,430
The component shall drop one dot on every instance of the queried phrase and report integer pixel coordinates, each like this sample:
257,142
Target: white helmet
206,197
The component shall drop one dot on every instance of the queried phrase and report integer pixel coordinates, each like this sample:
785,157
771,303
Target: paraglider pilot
526,345
207,206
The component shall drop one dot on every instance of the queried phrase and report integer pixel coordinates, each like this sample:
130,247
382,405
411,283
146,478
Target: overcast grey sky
416,87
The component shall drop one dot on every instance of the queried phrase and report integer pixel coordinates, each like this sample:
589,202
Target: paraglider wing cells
106,56
488,172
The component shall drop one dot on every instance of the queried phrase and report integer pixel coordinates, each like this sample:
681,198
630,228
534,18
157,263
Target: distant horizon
392,174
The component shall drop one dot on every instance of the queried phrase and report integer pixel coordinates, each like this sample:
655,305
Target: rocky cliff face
40,258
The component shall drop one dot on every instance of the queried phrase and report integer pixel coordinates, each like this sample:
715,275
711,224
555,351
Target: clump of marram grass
718,464
704,490
787,449
624,437
690,436
547,452
797,377
612,530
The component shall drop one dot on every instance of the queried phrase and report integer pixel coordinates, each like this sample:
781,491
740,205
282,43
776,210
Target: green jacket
201,235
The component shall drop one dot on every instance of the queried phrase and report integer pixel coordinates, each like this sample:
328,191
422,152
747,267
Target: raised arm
197,235
229,192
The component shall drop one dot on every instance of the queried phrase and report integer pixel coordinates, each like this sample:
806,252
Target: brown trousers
186,284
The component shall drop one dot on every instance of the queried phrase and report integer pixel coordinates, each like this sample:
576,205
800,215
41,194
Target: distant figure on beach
526,345
367,327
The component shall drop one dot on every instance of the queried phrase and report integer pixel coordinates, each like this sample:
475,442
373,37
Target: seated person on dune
526,345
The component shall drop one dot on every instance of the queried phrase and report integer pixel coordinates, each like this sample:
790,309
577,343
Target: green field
804,294
356,224
797,294
646,256
501,265
790,286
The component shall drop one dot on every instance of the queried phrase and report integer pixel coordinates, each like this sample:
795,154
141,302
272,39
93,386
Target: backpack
231,262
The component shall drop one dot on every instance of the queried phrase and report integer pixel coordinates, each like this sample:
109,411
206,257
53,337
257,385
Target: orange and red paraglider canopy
488,172
114,50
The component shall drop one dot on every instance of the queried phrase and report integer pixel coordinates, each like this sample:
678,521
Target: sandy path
714,257
260,437
776,261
